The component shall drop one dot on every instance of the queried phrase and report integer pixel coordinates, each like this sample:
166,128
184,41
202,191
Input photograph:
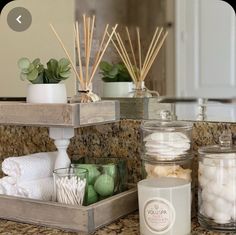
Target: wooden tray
142,108
59,115
67,217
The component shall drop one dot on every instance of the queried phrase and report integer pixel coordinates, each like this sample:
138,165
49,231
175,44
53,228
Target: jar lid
165,125
225,147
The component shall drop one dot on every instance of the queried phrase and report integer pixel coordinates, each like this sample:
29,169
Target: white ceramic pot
46,93
117,89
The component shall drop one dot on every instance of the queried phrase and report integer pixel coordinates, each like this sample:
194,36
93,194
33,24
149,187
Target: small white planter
46,93
117,89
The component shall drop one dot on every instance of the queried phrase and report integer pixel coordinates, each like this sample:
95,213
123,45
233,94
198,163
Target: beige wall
37,41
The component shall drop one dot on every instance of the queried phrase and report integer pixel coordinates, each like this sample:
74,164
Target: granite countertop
126,226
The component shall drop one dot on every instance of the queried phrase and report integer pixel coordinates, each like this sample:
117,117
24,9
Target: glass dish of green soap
103,181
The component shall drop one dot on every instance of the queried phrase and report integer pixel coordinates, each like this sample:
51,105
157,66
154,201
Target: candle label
159,215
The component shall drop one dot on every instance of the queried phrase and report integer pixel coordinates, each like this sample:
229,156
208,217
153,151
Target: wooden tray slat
68,217
142,108
59,115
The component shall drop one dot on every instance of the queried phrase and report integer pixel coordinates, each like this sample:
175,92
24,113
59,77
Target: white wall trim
180,47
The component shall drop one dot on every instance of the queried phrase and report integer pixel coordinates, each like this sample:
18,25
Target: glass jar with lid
165,139
179,168
217,185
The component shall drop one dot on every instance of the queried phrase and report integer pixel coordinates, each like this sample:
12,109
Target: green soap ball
93,172
92,195
111,170
104,185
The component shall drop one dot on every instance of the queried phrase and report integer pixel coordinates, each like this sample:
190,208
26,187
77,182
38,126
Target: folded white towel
41,189
30,167
8,186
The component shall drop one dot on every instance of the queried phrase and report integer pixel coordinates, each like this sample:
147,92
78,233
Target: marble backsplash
121,139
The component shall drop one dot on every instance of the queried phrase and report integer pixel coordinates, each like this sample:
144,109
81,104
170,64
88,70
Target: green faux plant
36,73
114,72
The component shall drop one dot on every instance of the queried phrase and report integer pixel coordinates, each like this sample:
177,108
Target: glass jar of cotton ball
165,139
217,185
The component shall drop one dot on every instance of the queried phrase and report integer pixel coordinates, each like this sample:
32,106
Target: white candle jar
164,206
166,140
217,186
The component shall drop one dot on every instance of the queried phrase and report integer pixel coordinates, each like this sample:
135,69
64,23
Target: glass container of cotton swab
70,185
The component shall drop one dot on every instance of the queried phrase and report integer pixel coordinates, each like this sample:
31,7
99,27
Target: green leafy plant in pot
45,87
117,81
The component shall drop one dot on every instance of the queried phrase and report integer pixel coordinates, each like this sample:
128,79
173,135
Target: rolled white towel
41,189
30,167
8,186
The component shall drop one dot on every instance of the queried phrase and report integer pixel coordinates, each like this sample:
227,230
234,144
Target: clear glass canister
70,185
165,139
217,185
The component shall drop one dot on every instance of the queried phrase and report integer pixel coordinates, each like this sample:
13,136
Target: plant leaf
105,66
24,63
63,63
33,75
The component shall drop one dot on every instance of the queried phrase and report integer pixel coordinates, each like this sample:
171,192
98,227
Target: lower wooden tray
85,219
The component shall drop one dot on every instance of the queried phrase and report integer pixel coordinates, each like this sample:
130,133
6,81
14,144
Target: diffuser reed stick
137,68
85,76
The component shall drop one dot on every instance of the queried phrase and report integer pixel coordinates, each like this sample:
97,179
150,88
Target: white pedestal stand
61,136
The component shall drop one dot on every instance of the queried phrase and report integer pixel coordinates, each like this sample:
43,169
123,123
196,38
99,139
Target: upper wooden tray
59,115
142,108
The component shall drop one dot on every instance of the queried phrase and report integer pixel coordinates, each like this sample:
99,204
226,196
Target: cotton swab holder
70,186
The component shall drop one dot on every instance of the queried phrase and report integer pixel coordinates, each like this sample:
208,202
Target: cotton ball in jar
207,195
202,181
209,172
214,187
222,175
229,192
208,209
222,206
221,218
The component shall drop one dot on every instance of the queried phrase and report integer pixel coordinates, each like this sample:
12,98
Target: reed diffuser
139,68
84,36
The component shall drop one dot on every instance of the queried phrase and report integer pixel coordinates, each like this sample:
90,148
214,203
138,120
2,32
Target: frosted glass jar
217,187
165,140
179,168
